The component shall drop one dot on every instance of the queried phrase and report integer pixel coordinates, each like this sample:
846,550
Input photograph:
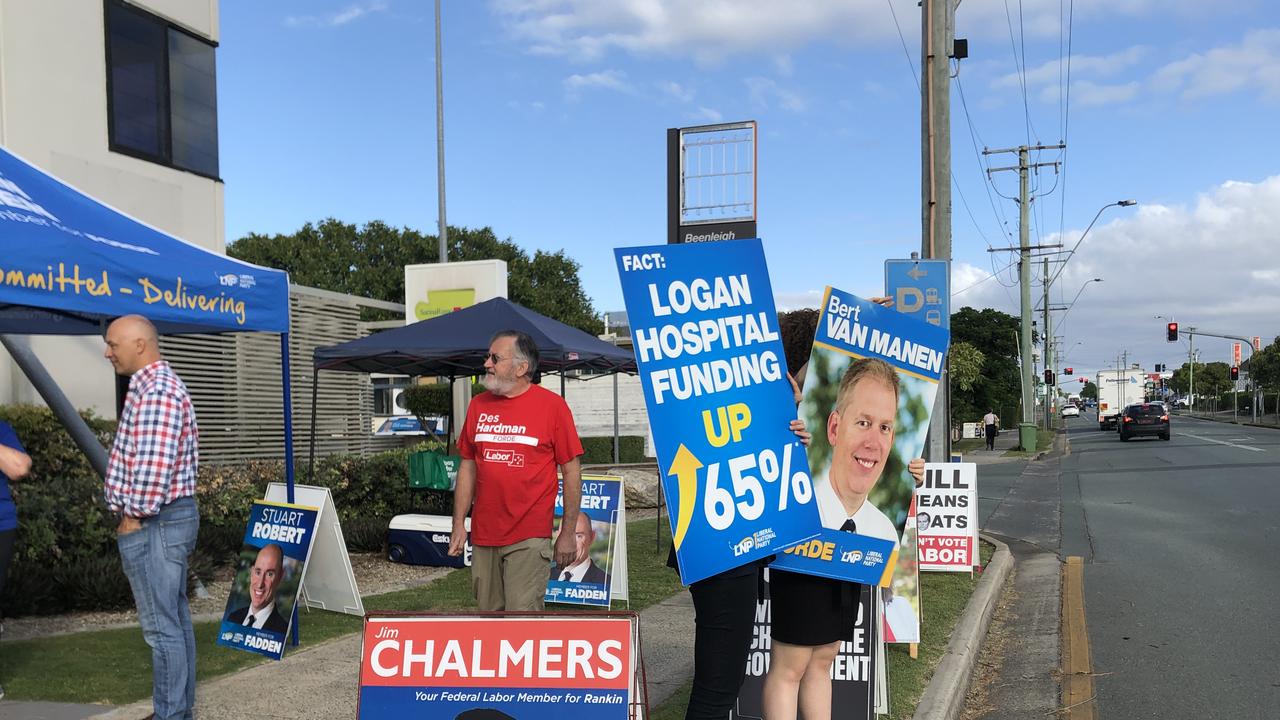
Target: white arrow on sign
916,272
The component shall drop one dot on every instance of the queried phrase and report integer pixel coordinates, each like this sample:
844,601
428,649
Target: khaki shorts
511,577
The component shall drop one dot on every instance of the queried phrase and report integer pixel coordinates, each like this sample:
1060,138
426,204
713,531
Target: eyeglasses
493,357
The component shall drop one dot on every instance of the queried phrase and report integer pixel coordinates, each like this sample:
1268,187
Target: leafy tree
1214,379
369,262
998,385
965,365
1089,391
1210,379
1264,366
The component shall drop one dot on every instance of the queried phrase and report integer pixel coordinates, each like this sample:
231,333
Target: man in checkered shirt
151,485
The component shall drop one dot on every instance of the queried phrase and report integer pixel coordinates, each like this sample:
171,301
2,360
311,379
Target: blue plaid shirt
154,456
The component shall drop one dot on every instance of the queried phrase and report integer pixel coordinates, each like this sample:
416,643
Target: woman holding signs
812,615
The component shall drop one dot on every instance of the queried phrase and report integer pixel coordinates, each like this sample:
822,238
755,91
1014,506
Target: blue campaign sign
588,580
711,361
921,289
869,389
259,609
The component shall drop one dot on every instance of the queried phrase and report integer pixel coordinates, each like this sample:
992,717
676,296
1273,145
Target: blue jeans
155,560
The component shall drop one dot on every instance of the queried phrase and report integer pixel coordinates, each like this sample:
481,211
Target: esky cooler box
424,540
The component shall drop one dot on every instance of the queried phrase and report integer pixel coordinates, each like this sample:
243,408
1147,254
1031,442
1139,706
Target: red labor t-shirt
517,444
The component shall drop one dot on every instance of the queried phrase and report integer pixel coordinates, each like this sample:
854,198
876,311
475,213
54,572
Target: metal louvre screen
234,381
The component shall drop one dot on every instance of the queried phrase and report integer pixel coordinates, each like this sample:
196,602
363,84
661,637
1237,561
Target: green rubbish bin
1027,436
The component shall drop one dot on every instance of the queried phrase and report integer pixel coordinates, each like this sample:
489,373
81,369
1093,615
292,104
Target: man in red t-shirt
513,439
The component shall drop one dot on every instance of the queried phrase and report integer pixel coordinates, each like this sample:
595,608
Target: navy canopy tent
71,264
455,344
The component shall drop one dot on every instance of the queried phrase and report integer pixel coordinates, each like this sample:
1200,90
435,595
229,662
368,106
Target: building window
162,99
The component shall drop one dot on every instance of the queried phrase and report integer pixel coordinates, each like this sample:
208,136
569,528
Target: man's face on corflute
861,436
265,577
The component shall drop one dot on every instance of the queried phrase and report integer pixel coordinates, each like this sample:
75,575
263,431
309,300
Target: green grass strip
114,666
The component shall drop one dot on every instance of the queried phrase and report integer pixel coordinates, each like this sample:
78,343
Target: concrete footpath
319,682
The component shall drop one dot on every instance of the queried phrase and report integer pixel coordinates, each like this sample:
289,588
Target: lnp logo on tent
15,197
234,280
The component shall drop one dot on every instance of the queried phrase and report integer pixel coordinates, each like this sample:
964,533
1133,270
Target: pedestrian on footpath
991,424
15,463
514,437
150,486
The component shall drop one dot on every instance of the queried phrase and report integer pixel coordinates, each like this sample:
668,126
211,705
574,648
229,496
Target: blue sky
556,111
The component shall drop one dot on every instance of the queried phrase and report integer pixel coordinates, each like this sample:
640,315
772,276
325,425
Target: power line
984,279
905,51
1066,113
1019,66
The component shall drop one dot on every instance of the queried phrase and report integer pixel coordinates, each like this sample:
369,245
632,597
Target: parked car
1144,419
1070,411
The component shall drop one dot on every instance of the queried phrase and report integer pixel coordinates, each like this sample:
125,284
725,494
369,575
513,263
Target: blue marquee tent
454,345
70,264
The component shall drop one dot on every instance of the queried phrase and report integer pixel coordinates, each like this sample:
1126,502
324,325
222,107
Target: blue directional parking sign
921,289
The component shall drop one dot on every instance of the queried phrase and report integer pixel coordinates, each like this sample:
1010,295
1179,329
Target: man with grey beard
514,438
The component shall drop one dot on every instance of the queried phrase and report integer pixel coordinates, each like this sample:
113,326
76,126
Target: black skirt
808,610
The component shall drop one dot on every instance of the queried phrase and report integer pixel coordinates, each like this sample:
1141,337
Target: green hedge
66,559
599,450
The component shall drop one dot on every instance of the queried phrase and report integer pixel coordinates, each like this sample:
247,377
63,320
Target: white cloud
1252,63
1053,72
1214,265
676,91
787,301
1089,93
708,115
349,14
614,80
765,93
708,30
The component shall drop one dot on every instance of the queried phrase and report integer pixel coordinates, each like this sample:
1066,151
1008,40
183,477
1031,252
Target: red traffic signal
1082,380
1235,372
1172,332
1048,377
1067,371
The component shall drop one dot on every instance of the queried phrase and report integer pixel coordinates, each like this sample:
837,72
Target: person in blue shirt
15,463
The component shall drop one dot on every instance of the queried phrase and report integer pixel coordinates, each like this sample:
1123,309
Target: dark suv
1144,419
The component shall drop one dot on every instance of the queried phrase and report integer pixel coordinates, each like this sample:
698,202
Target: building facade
120,100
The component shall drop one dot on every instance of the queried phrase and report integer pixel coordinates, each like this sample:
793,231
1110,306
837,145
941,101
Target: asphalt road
1182,579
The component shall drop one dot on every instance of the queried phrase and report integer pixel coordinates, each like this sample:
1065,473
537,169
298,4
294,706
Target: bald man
583,568
264,578
150,486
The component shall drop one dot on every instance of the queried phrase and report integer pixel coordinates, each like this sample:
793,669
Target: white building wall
591,402
53,113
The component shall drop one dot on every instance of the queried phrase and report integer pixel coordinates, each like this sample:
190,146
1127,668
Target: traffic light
1048,377
1173,332
1067,371
1159,367
1235,373
1083,380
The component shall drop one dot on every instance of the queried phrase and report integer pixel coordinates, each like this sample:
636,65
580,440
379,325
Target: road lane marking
1078,695
1223,442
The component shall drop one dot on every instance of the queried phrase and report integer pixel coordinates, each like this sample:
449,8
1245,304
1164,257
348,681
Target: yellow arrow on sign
685,468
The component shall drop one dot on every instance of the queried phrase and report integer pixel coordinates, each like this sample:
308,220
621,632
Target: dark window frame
165,159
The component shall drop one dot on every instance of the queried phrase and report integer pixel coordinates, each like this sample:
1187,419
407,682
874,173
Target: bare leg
815,686
787,665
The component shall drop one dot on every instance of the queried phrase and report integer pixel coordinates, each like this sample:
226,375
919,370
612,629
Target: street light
1072,304
1118,203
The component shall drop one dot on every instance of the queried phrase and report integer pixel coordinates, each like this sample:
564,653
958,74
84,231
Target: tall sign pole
935,176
